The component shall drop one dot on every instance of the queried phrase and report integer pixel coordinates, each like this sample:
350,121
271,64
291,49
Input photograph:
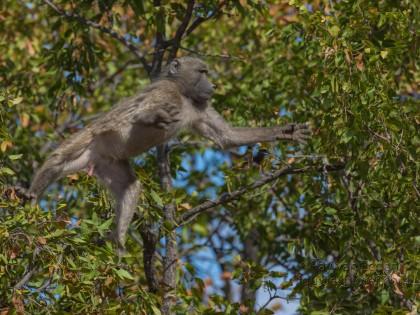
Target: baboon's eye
203,71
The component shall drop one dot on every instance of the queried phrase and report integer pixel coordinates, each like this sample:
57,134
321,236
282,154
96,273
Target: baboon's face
192,73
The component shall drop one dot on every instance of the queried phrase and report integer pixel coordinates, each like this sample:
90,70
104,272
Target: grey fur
177,100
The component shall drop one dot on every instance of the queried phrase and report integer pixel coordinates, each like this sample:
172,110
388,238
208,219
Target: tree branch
110,32
169,263
181,30
30,273
111,78
221,56
161,44
199,20
228,197
170,258
150,240
25,278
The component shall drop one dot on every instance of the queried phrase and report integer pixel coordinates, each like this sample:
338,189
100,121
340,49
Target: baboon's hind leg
120,179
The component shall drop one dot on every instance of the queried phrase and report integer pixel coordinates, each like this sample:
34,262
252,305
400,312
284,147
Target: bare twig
272,298
110,32
111,77
199,20
25,278
221,56
227,197
28,275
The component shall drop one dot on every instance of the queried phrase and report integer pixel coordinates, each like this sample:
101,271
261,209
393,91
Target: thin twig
274,297
30,273
199,20
111,77
25,278
227,197
110,32
221,56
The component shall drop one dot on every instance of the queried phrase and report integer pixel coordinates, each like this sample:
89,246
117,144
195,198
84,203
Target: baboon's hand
163,117
166,116
298,132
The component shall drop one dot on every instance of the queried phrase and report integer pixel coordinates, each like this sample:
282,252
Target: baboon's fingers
165,120
289,127
292,127
162,125
174,110
303,138
305,131
306,137
304,126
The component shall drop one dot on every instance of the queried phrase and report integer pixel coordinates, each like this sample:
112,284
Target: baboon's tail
62,161
49,172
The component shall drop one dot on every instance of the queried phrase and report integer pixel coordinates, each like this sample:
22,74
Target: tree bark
169,261
250,254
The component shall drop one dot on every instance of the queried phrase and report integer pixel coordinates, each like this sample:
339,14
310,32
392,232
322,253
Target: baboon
178,99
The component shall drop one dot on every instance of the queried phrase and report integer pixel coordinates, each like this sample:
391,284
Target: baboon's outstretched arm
214,127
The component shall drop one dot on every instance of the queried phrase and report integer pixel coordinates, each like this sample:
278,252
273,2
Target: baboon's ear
174,67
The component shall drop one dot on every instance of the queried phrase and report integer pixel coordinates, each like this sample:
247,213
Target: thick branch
169,261
164,167
150,240
227,197
181,29
110,32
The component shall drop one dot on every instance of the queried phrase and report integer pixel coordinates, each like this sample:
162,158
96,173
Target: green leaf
7,171
137,6
384,54
200,229
156,311
15,156
105,225
330,211
17,100
334,30
123,274
156,198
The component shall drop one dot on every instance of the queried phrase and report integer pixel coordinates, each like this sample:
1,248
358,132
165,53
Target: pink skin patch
90,169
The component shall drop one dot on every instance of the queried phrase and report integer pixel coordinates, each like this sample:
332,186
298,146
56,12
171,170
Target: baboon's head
191,75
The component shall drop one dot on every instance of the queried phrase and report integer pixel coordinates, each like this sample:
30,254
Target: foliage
344,242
